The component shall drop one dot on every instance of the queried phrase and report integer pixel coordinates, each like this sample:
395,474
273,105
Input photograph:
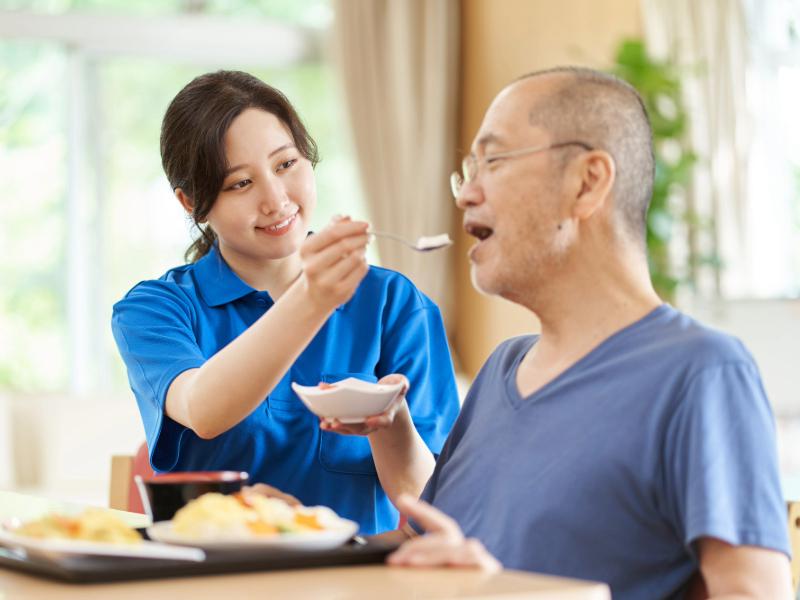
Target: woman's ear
597,173
185,201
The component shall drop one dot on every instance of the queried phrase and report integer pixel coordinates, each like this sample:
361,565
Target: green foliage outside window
659,84
145,232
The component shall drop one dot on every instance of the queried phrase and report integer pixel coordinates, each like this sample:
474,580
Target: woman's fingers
346,272
336,426
271,492
333,234
334,260
396,378
370,424
336,285
323,258
386,418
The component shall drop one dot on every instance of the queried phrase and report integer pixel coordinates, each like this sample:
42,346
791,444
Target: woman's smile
280,228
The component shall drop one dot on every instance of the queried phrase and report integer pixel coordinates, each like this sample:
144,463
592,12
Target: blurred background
393,92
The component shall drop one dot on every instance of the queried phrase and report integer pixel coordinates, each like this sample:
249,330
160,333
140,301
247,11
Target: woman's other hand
377,422
263,489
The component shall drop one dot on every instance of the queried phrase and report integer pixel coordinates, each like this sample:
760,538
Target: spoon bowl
423,244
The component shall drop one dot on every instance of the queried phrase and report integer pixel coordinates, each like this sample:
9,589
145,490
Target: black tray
94,569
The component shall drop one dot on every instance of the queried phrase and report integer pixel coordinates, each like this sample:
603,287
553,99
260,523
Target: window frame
87,40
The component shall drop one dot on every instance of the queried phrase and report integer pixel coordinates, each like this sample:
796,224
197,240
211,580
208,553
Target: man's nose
470,194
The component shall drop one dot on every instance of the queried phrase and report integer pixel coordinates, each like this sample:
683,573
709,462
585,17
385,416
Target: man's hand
443,545
376,422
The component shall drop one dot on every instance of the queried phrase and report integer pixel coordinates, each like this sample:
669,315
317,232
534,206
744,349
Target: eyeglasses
471,164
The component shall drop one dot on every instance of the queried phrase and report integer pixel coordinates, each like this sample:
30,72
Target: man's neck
583,310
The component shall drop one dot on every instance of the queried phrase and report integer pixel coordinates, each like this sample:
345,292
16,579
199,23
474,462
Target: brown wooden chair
122,493
697,587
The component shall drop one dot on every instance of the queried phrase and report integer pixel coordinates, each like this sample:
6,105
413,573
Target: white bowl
350,400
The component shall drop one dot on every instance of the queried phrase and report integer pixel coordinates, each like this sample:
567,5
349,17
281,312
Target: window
773,90
87,211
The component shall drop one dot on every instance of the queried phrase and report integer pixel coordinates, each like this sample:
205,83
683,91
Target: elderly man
626,443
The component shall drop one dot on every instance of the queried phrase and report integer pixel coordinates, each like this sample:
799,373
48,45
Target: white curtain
708,40
398,61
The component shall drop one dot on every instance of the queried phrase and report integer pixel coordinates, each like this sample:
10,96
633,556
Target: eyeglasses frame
458,180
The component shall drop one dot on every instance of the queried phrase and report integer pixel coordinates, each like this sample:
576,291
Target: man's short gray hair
607,113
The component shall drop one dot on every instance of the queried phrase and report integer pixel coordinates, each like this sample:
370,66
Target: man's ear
185,201
597,172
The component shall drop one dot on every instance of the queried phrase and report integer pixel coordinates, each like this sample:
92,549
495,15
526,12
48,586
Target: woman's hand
443,543
373,423
334,261
263,489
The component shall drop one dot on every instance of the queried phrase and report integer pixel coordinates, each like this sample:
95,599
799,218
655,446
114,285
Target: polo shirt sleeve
153,329
414,344
721,466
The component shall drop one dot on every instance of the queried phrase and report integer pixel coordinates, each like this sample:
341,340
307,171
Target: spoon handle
392,236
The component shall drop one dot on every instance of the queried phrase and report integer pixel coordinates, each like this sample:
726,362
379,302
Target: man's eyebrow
486,139
271,154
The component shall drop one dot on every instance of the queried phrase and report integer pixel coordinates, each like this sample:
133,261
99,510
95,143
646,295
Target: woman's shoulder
394,287
175,283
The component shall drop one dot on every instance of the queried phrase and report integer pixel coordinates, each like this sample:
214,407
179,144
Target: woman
212,346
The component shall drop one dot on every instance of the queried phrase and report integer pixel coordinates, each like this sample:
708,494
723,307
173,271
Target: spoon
423,244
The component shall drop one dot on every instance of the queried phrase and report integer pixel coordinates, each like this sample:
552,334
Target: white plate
350,401
60,547
310,540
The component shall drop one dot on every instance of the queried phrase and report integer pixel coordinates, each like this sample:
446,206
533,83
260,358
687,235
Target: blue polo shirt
166,326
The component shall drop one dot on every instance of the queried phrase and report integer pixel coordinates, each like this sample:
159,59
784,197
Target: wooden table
385,583
377,581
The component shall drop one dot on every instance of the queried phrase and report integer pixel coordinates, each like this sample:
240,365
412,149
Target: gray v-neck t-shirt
659,436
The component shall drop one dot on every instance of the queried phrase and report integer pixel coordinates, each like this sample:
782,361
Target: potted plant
659,84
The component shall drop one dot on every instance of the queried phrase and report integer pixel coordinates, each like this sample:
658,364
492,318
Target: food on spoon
434,241
326,386
244,515
92,525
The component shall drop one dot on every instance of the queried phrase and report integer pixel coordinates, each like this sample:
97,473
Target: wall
61,446
502,39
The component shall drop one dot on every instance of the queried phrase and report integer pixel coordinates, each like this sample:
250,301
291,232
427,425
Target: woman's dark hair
193,138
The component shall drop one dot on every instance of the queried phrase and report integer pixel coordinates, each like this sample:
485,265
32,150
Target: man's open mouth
481,232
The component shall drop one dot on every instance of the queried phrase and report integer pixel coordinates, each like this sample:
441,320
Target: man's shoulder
513,346
508,353
689,340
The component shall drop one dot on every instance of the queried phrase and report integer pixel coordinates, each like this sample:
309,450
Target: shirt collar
217,282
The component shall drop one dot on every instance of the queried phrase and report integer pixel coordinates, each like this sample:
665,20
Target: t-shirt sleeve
415,345
429,491
453,439
153,330
721,476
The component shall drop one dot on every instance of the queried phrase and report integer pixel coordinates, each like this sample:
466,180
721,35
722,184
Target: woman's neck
273,276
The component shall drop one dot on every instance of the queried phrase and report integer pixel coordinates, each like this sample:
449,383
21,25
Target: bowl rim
190,477
340,387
